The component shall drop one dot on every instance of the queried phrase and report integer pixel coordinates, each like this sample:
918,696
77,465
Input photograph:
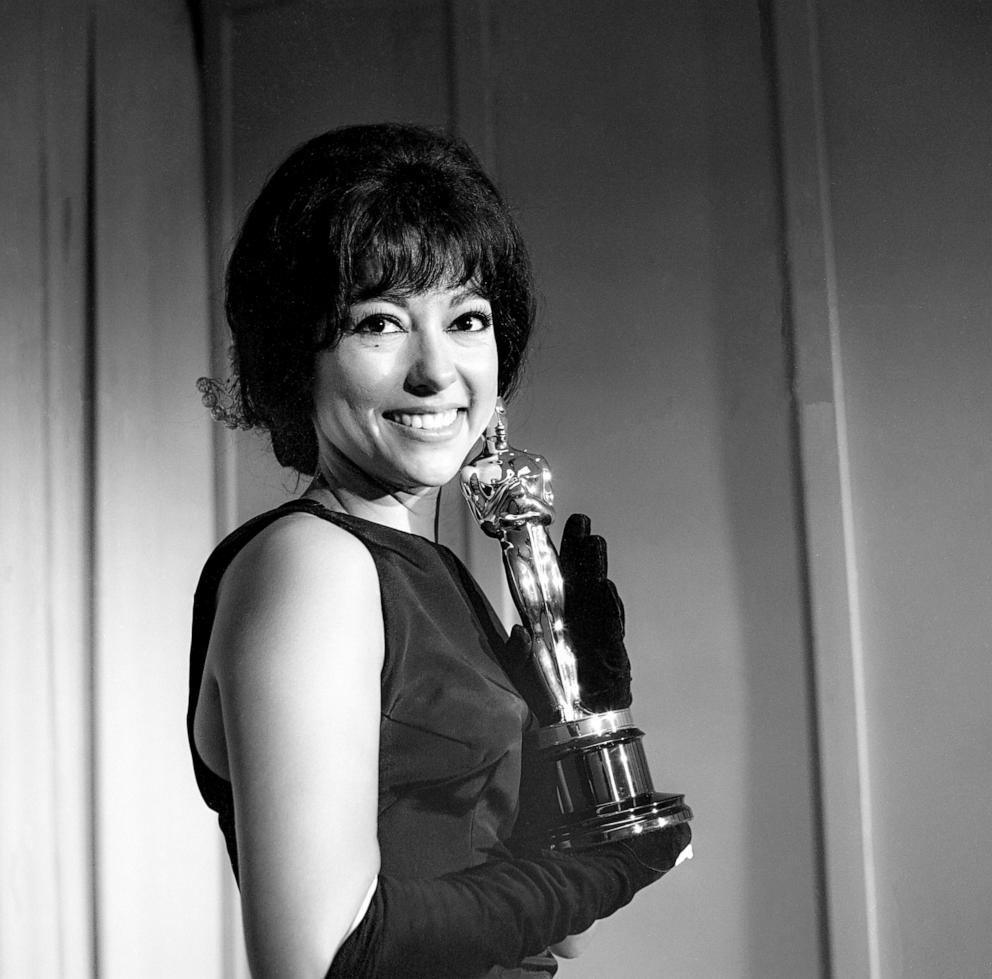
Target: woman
349,717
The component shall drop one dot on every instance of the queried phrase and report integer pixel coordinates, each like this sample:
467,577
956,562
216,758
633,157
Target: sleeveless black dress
451,724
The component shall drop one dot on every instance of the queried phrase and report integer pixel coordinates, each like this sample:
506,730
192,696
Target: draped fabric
107,497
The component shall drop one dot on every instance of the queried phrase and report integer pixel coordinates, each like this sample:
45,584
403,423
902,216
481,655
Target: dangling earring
495,435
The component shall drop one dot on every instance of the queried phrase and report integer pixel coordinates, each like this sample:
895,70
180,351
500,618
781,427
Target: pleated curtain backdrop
106,494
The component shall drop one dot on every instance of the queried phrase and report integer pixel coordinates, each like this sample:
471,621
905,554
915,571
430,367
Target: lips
430,421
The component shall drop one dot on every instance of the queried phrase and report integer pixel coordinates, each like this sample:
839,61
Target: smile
430,421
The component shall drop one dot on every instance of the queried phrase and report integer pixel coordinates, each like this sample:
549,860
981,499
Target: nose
432,367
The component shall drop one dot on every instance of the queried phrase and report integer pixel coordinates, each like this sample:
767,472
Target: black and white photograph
496,489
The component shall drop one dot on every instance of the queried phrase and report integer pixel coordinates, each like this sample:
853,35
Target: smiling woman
351,715
358,214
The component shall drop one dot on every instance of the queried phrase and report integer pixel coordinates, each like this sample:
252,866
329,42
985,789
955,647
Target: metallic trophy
601,775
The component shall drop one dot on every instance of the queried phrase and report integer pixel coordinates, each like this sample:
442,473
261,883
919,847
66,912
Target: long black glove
464,923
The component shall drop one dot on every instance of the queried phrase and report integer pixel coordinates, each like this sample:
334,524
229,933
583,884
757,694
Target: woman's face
409,386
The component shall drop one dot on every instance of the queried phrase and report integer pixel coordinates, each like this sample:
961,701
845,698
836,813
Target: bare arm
296,651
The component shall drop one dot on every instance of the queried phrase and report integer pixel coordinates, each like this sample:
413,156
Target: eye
473,321
377,324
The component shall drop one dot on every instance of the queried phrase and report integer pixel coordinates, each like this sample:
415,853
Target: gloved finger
575,532
591,563
518,645
617,605
516,655
576,529
595,614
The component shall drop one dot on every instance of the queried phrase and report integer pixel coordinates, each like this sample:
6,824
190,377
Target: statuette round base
607,823
602,781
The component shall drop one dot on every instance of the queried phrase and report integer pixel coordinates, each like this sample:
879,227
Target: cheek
352,384
487,369
486,385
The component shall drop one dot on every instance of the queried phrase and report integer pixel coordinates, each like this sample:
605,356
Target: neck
340,485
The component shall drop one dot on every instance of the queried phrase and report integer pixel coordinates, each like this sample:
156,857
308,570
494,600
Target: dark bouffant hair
355,213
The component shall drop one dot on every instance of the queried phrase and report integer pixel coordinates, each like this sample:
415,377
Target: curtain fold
110,864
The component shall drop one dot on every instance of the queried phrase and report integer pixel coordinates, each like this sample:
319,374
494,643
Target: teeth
436,419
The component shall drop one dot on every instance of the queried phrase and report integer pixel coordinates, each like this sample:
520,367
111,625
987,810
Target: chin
423,478
420,482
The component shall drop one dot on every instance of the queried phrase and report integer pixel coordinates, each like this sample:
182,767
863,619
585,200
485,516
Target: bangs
419,233
411,260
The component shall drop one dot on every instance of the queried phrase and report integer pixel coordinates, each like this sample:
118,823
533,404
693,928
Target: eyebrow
465,295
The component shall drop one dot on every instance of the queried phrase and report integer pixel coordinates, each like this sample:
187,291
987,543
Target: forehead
448,294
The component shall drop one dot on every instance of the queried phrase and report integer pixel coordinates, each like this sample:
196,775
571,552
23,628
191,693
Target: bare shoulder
301,547
300,580
296,654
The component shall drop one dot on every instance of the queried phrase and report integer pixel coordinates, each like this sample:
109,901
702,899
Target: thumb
518,645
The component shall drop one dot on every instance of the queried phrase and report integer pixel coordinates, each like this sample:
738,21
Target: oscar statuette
596,760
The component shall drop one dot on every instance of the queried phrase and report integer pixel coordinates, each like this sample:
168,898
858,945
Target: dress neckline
309,503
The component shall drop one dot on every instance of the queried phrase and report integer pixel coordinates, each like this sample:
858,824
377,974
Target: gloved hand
594,618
